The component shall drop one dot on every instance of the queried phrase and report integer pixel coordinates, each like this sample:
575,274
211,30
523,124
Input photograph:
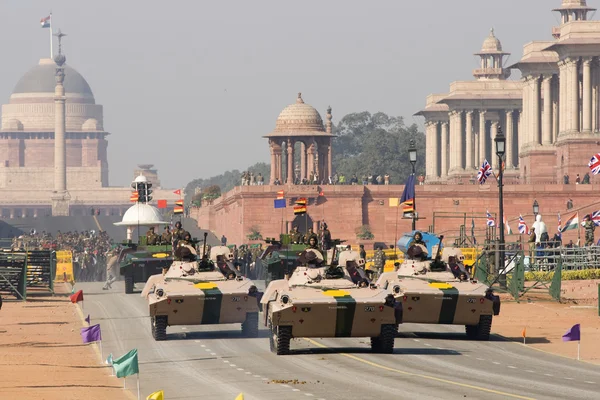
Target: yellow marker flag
394,202
240,396
160,395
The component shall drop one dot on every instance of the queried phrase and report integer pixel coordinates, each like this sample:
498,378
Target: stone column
562,95
273,161
509,139
536,112
469,141
444,150
329,157
428,150
302,160
60,144
587,94
451,141
574,89
519,126
482,137
547,132
459,141
310,155
290,162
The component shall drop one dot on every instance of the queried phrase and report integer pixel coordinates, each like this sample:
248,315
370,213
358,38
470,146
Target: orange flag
77,296
524,332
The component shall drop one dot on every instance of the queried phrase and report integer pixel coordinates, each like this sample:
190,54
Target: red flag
161,204
178,192
77,297
321,193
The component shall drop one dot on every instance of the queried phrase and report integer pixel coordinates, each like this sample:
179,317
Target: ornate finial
60,58
299,99
492,32
328,111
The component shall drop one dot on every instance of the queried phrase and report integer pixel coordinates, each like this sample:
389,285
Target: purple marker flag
91,334
88,319
574,334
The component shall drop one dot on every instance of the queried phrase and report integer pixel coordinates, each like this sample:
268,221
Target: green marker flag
127,364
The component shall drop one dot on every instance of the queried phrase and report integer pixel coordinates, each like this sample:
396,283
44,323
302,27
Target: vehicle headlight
285,299
396,289
160,292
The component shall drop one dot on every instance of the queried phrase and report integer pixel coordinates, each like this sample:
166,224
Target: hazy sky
192,86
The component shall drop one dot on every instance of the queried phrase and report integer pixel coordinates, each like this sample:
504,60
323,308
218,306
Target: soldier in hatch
167,236
224,267
178,232
312,243
296,236
310,234
151,237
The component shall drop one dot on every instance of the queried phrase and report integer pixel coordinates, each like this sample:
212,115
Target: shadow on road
366,350
221,334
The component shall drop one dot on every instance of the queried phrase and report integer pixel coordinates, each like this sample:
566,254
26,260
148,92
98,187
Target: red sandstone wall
345,208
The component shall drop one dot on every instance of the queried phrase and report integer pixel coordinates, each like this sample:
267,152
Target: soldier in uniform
379,261
310,234
151,237
296,236
326,237
167,236
312,243
589,227
177,233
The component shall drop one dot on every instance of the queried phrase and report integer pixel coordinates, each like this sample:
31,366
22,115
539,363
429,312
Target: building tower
60,199
492,60
571,10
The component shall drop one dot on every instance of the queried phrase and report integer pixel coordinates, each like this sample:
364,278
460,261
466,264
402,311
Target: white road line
548,374
510,366
466,355
248,372
285,386
240,369
213,354
569,379
265,379
202,345
295,390
496,362
183,328
480,359
207,350
197,341
589,382
440,348
416,340
533,372
427,344
256,376
309,394
226,362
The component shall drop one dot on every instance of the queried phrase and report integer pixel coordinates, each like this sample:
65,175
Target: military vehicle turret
201,291
439,290
137,262
330,301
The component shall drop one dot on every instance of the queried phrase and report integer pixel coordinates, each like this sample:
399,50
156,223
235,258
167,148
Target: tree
376,144
227,180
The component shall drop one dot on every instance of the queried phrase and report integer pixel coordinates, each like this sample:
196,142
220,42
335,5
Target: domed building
27,132
299,128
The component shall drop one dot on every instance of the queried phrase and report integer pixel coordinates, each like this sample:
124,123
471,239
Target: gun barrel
204,245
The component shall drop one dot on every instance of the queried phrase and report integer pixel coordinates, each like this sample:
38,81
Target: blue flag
279,203
408,195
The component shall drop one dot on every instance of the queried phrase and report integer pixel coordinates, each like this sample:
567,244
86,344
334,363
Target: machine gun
437,264
205,264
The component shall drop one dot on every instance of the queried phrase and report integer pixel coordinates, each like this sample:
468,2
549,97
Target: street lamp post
536,208
500,151
412,156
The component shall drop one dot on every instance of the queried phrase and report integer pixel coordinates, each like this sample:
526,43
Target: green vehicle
138,262
280,258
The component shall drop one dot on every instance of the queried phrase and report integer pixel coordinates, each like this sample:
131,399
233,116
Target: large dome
40,79
143,215
299,118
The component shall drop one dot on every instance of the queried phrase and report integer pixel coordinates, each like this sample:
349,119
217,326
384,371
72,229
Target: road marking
265,379
480,359
295,390
427,344
309,394
248,372
207,350
416,340
548,374
589,382
466,355
202,345
232,365
257,376
569,379
440,348
510,366
240,369
428,377
197,341
285,386
225,361
213,354
496,362
183,328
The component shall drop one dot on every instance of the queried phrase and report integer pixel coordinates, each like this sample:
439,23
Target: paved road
215,362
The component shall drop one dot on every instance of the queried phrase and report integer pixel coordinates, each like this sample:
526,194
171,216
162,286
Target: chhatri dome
491,60
299,119
31,104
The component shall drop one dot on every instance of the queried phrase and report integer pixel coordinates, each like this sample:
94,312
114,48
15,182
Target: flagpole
124,382
101,352
578,348
138,384
396,231
51,49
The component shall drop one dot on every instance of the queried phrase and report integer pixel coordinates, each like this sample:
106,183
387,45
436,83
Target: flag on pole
484,172
407,201
91,334
572,223
127,364
490,219
321,193
77,297
559,226
508,230
134,197
88,320
161,204
177,192
573,334
240,396
473,231
524,333
394,201
594,164
596,218
178,210
280,194
179,203
109,360
160,395
523,229
298,210
301,201
279,203
46,21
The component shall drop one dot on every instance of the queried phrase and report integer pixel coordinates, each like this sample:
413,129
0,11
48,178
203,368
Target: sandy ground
546,321
42,355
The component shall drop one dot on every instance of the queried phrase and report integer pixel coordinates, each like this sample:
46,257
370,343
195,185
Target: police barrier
64,266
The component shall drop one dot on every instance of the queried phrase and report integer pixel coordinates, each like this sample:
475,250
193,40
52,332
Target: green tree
376,144
227,180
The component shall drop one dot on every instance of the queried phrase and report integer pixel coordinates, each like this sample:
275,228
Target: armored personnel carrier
440,290
138,262
201,291
330,301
